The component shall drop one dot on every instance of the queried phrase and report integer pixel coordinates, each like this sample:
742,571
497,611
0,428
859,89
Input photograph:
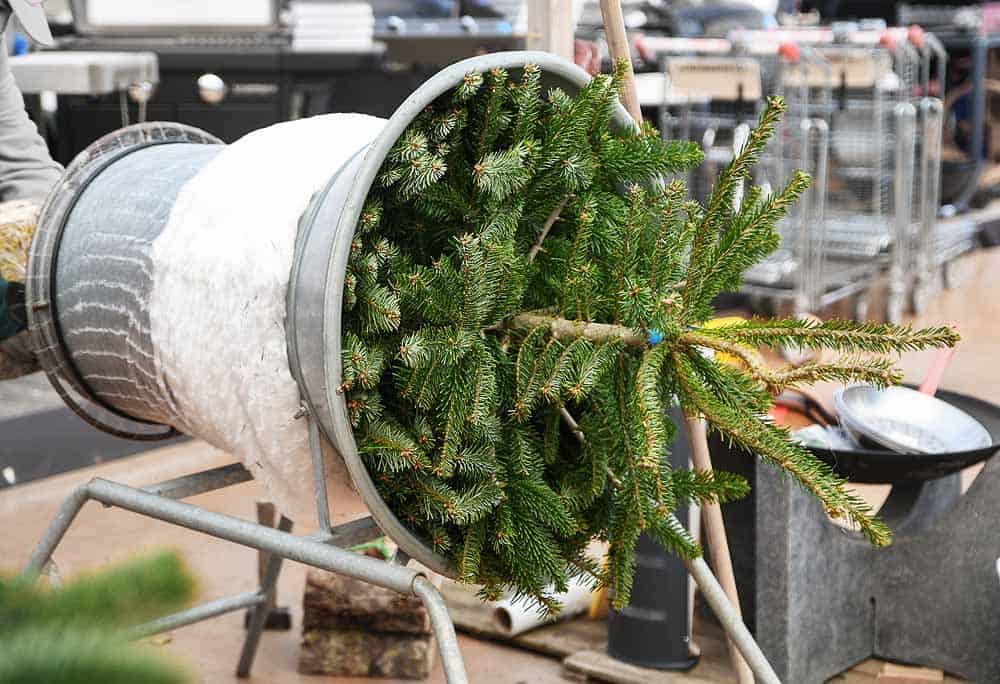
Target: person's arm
27,172
26,169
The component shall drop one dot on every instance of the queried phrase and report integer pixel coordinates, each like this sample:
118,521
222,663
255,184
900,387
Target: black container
654,629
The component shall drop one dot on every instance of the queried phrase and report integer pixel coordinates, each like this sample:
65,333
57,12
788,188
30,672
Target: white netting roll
218,303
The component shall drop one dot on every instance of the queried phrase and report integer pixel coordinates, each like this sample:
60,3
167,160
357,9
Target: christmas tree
525,298
76,633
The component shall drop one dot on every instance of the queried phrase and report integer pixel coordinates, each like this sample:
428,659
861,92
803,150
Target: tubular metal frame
326,549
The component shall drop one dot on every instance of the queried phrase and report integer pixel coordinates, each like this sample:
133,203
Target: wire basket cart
718,85
871,215
882,191
706,98
918,252
937,244
720,95
794,273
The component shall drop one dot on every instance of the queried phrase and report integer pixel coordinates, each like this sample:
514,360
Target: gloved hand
17,225
12,314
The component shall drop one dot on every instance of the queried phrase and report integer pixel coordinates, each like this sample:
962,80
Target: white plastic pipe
516,617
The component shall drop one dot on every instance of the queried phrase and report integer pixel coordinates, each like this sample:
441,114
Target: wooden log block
334,602
354,653
350,628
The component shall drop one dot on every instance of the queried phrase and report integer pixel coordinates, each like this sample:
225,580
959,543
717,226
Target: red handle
790,52
936,372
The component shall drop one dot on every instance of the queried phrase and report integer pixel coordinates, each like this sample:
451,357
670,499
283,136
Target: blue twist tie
20,45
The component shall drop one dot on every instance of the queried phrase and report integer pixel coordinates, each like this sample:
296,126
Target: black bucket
654,629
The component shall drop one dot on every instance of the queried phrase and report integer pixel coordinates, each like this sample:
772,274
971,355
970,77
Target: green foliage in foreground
75,634
505,279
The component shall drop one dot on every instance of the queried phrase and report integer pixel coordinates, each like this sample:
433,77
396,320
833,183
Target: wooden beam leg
278,618
550,27
266,515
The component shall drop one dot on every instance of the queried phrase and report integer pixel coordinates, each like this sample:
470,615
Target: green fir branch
516,259
836,335
773,444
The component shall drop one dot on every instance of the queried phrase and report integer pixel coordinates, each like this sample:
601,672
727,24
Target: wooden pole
614,31
718,544
715,531
267,516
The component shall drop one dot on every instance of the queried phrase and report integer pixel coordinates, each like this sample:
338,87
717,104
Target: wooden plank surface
906,674
873,671
602,667
582,644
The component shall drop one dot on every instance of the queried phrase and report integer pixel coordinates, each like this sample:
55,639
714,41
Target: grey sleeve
26,169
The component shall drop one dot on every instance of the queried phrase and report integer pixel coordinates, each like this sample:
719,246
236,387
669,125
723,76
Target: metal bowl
909,422
877,465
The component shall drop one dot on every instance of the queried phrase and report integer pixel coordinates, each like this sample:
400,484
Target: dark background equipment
231,80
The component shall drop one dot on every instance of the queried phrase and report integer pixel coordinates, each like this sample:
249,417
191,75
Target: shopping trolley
937,244
723,90
710,96
871,213
796,272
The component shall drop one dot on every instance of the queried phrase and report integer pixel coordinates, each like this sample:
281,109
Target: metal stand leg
260,613
278,619
57,530
316,551
319,551
714,595
444,629
729,617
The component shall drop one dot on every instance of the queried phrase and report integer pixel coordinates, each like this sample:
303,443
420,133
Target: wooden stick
718,544
565,329
614,29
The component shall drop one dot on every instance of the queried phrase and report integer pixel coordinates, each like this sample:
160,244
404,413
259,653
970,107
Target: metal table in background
125,80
